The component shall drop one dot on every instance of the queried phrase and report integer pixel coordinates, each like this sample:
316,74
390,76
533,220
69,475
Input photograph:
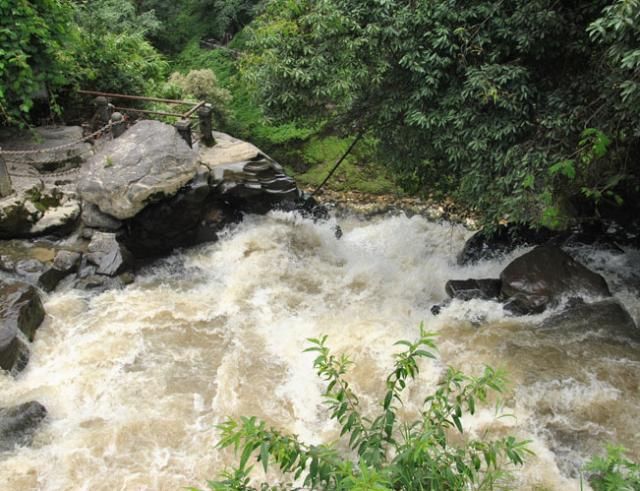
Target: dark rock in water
108,254
186,219
543,276
19,423
338,232
506,238
485,289
607,317
21,313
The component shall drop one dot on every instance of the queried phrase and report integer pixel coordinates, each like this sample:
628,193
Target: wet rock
110,257
485,289
543,276
245,177
19,423
185,219
93,217
607,317
66,261
21,313
150,162
506,238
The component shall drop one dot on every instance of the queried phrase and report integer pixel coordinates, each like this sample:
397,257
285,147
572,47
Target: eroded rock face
543,276
150,162
19,423
245,177
21,313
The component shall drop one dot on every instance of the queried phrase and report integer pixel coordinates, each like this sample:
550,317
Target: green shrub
385,453
614,472
203,85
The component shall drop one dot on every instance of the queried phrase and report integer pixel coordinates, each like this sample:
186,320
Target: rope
335,167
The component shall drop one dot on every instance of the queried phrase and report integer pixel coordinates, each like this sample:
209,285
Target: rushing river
135,380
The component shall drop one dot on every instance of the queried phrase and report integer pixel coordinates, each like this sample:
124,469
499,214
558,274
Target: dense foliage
33,62
523,110
384,452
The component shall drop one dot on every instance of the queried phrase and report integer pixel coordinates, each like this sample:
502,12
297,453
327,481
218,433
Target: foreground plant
614,472
385,453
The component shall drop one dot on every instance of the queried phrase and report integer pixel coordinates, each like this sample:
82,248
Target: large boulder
19,423
147,164
545,275
21,313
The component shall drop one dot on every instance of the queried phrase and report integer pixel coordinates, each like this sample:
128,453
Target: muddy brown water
136,380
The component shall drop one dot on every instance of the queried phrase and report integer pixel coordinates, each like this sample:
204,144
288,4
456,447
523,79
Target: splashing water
135,380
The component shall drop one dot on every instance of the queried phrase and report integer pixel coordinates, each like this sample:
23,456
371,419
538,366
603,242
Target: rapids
135,380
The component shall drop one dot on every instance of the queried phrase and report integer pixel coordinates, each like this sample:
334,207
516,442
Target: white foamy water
135,380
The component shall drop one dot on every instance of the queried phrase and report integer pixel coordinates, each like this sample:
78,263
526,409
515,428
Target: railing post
204,117
117,124
184,129
103,112
5,179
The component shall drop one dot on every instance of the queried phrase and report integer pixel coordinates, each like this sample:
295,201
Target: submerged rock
150,162
543,276
485,289
607,317
19,423
21,313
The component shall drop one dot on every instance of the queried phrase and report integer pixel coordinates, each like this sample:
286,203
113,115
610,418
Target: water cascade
136,379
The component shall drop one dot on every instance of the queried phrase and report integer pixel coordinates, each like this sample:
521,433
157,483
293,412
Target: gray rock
37,211
19,423
60,218
543,276
93,217
150,162
21,313
46,138
66,261
108,254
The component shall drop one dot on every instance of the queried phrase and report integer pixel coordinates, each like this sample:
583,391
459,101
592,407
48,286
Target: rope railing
64,146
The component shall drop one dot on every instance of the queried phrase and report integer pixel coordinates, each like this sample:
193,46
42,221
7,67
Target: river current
135,380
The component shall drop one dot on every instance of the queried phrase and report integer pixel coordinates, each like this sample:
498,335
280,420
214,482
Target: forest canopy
521,111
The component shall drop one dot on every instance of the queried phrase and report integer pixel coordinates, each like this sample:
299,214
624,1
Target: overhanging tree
486,100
